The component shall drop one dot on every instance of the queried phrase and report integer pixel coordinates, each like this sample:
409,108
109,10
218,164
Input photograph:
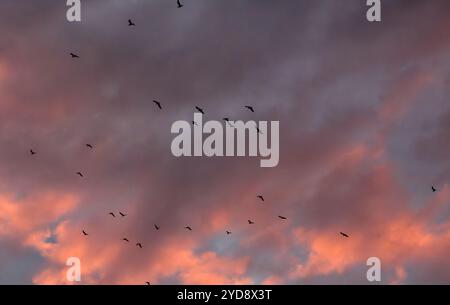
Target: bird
139,245
228,232
259,131
156,227
80,174
157,104
126,239
112,214
194,123
74,55
250,108
32,152
433,189
179,4
188,228
343,234
148,283
122,214
89,145
200,110
228,121
282,217
84,233
260,197
250,222
130,23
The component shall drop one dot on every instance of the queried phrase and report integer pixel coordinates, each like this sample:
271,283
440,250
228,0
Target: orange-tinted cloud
24,216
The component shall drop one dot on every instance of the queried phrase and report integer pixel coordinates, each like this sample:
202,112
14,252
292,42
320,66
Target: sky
364,133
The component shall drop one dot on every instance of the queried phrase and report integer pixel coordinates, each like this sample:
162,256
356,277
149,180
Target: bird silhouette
148,283
194,123
250,108
32,152
74,55
260,197
80,174
228,232
126,239
89,145
188,228
139,245
122,214
343,234
258,130
282,217
84,233
130,23
157,104
179,4
156,227
433,189
228,121
112,214
250,222
200,110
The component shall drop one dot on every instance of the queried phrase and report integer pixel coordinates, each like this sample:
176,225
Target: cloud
363,117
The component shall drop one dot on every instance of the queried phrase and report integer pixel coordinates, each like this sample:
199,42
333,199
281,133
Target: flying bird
80,174
188,228
199,110
139,245
148,283
250,222
228,121
74,55
282,217
179,4
84,233
260,197
112,214
433,189
343,234
157,104
250,108
89,145
228,232
122,214
126,239
32,152
156,227
130,23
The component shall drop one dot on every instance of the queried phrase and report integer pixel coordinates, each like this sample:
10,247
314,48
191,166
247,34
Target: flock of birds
202,111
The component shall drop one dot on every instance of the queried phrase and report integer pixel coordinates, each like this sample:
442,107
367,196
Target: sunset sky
364,114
